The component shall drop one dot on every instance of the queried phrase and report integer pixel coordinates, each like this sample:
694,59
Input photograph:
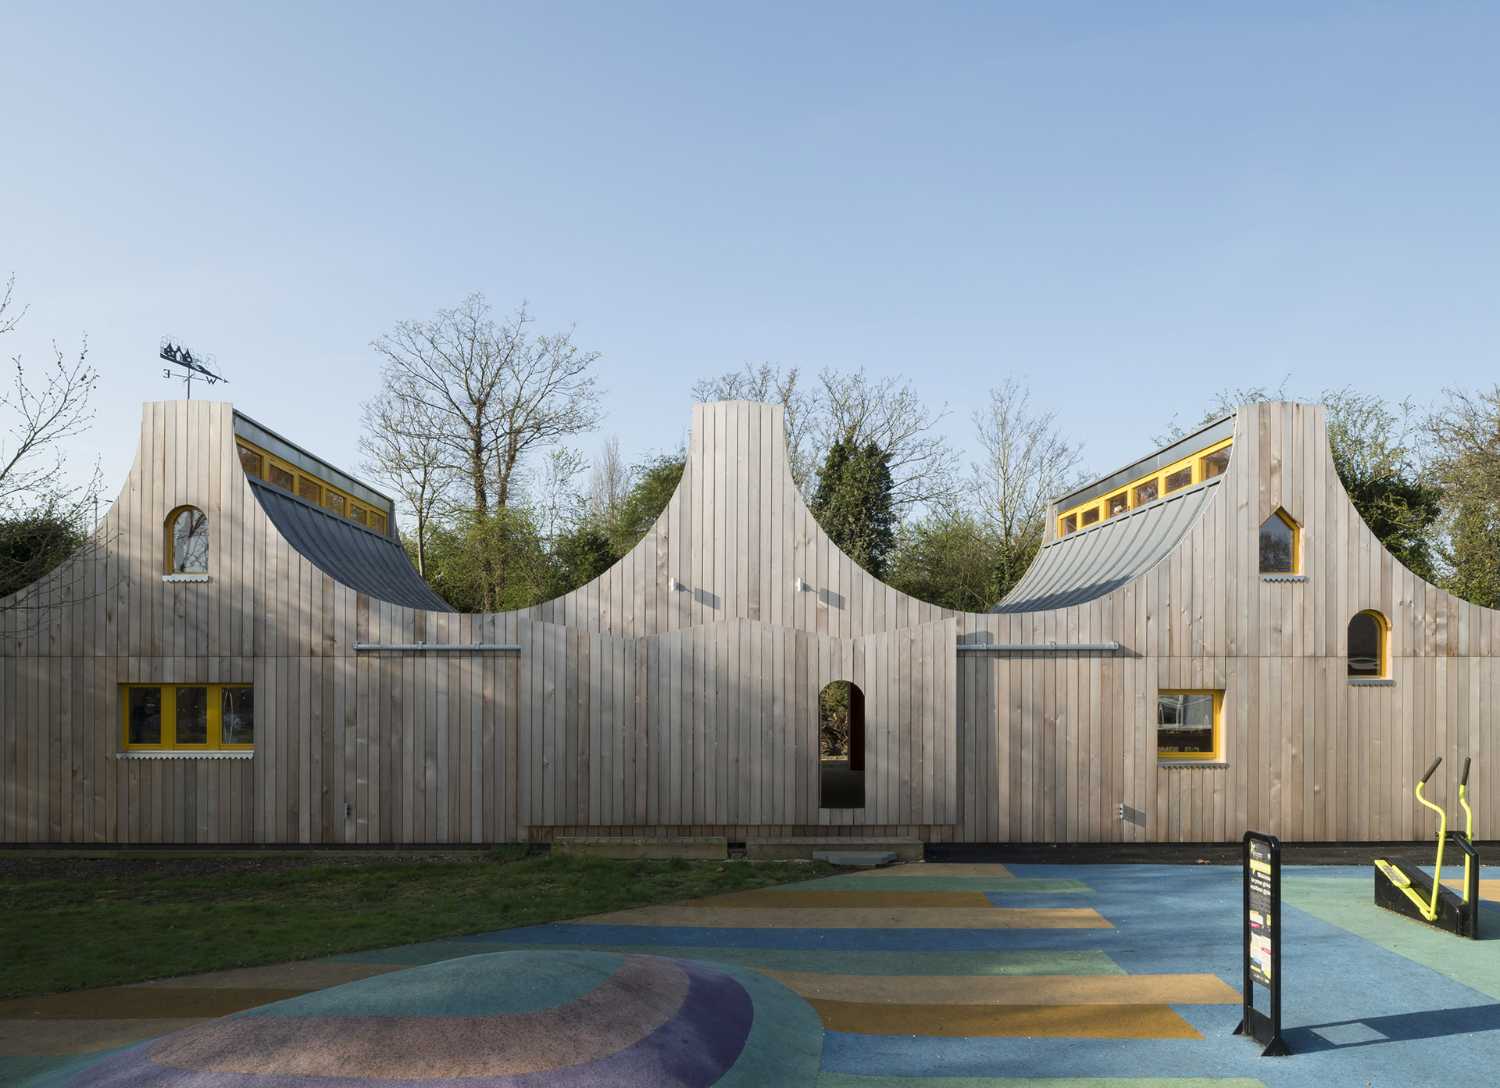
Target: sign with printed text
1261,887
1261,912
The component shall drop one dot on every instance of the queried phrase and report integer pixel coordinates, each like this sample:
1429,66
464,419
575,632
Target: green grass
74,921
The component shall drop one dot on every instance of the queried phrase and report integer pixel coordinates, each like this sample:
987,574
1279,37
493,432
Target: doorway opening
841,746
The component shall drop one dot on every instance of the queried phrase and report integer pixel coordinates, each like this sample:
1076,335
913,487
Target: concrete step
696,848
856,859
806,848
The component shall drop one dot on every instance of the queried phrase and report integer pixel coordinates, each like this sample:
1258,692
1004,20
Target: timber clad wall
632,707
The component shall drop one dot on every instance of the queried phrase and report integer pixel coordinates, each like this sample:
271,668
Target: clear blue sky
1130,206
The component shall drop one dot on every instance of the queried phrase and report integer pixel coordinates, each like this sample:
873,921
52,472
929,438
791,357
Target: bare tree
609,479
850,405
1026,464
1226,402
493,393
44,518
401,449
771,385
888,412
555,500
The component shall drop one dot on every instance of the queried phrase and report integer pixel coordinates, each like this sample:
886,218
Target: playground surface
951,975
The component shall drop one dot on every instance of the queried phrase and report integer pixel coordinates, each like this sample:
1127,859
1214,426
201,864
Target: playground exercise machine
1407,890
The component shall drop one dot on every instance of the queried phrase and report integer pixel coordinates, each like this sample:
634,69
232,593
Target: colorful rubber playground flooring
953,976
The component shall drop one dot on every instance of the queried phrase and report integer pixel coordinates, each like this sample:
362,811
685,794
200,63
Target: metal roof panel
1085,565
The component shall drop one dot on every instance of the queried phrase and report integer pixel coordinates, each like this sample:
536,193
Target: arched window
841,746
1280,545
1369,644
187,541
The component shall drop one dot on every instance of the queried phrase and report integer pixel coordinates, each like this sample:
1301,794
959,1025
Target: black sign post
1261,922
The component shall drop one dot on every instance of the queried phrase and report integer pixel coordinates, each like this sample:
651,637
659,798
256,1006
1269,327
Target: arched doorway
841,746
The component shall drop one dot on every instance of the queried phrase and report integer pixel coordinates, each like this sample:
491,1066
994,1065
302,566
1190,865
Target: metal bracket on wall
438,647
1038,647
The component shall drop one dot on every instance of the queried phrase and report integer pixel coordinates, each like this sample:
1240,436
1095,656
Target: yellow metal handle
1430,911
1463,803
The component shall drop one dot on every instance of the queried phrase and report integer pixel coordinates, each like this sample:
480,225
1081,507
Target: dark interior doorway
841,746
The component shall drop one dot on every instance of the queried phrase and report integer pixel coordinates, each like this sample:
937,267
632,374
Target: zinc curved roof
360,558
1089,563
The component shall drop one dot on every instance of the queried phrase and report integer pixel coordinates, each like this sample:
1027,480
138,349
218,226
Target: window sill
1369,682
184,577
1190,764
1283,577
177,753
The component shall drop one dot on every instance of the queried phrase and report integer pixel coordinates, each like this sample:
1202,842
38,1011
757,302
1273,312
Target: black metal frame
1254,1023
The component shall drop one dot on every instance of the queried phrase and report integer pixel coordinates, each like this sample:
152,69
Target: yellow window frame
1215,756
374,517
215,739
1193,461
1384,626
169,539
1292,524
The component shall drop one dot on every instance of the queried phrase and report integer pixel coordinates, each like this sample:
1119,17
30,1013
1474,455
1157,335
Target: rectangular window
1214,464
1176,481
280,476
1089,516
358,514
192,716
1145,492
188,716
1069,524
310,490
334,501
143,717
1118,504
236,716
377,521
250,461
1188,726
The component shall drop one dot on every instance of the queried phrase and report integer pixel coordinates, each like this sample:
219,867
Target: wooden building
247,656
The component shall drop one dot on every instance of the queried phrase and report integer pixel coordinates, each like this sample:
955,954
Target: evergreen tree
853,503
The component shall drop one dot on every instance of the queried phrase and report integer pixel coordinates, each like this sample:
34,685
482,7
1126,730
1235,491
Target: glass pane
334,501
237,706
1118,504
310,490
1089,516
1145,492
250,461
279,476
145,716
1365,652
190,542
357,513
1277,543
1069,523
377,521
192,715
1214,464
1185,723
1176,481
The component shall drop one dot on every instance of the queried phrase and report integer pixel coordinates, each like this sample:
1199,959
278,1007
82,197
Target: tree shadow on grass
1400,1028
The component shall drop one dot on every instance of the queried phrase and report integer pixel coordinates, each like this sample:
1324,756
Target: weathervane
195,366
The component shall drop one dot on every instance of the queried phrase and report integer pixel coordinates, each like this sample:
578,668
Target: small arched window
1280,545
1369,645
187,541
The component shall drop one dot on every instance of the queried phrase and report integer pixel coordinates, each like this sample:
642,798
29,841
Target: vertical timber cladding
678,690
716,725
